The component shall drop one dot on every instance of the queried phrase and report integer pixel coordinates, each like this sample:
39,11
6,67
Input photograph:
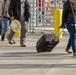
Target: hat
15,25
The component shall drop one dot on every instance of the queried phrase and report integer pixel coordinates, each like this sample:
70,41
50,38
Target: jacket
15,9
1,7
68,15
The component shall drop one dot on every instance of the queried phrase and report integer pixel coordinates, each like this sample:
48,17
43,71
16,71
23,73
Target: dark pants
69,44
0,27
72,31
23,33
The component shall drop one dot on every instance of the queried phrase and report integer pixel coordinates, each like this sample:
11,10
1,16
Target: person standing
19,10
5,19
69,19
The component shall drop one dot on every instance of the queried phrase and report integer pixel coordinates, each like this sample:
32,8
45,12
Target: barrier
58,22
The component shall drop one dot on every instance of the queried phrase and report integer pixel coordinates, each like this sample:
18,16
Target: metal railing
42,21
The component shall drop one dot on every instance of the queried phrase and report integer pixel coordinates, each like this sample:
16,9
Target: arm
27,10
11,9
65,13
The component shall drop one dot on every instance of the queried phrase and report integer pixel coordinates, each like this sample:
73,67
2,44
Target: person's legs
68,46
69,42
10,36
71,30
5,27
23,33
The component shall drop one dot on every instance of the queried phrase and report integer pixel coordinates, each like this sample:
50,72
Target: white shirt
1,7
22,10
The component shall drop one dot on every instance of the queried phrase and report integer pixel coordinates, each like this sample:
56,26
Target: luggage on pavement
46,43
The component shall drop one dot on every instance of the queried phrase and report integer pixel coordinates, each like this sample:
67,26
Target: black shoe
13,42
23,45
2,37
74,54
67,50
10,42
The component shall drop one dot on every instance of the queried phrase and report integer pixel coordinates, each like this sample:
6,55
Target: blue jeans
72,31
0,27
69,44
5,25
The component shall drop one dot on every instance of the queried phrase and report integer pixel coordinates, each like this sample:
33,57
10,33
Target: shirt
22,10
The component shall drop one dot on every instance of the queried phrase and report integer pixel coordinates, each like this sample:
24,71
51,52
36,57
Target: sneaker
14,42
2,37
23,45
67,50
10,42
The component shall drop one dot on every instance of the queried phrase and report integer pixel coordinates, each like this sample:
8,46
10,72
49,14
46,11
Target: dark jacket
15,9
67,15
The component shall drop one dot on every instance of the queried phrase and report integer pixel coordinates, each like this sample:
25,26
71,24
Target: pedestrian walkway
16,60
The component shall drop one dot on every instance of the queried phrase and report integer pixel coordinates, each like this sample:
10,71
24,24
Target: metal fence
42,20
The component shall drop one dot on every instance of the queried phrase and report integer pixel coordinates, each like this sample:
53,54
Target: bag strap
72,10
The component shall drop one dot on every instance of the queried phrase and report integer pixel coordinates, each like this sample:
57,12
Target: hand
0,18
62,26
12,18
28,20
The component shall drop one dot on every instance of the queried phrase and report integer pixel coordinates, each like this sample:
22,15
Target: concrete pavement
16,60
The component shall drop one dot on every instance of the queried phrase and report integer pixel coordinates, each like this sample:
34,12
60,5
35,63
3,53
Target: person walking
69,21
5,21
19,10
1,8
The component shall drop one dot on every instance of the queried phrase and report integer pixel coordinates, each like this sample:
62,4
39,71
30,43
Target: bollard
58,22
17,34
